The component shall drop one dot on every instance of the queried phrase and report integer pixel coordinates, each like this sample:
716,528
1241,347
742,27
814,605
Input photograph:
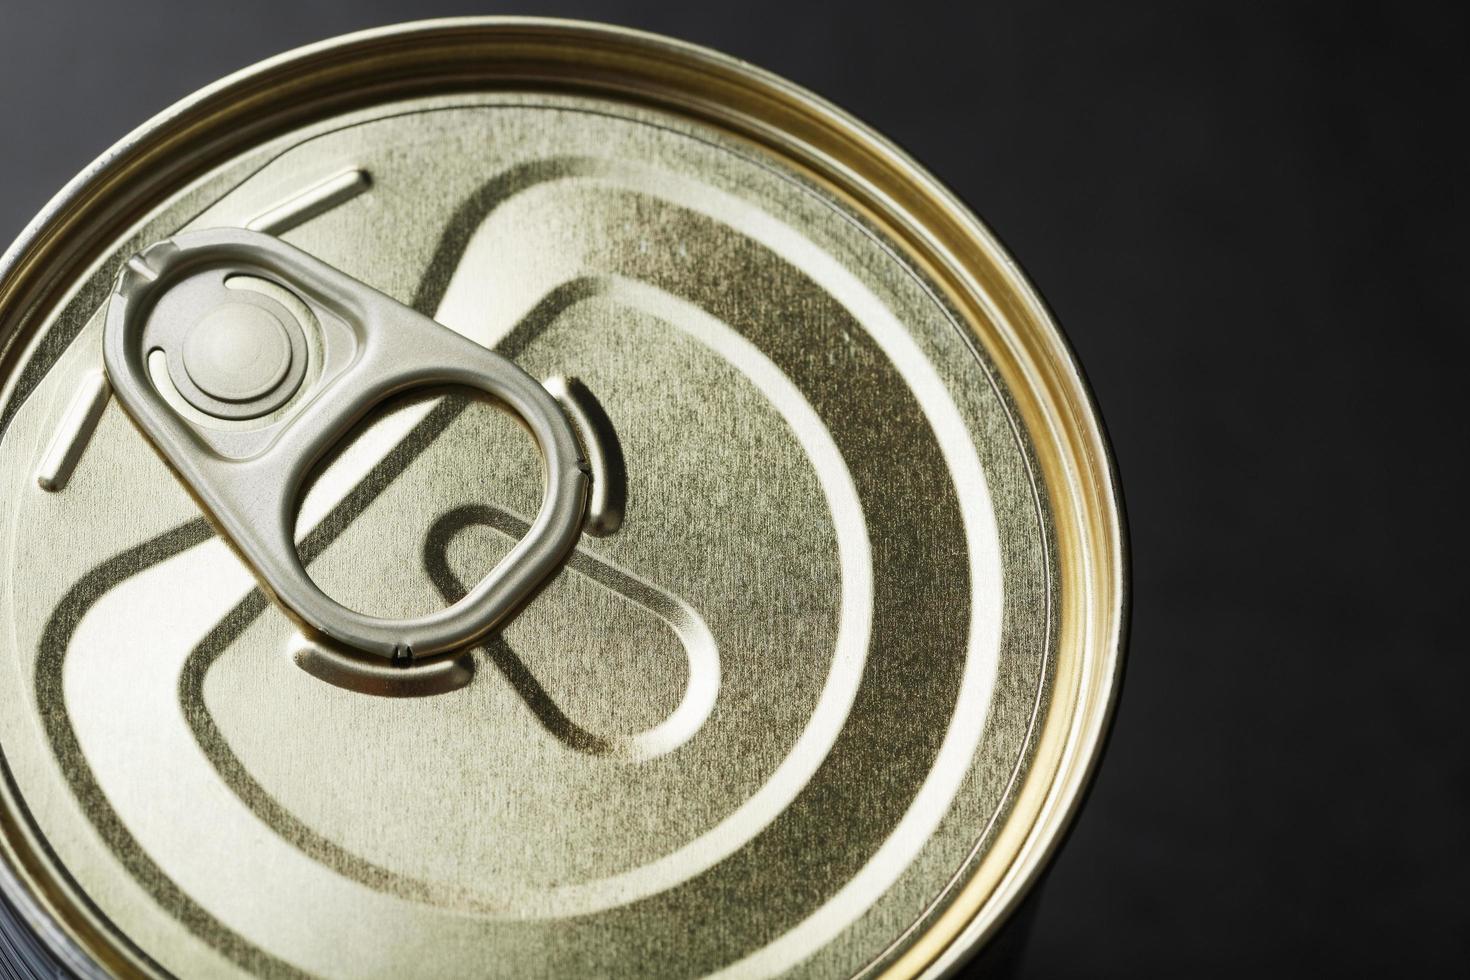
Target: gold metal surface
820,706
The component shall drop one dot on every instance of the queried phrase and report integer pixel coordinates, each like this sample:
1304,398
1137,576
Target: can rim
832,147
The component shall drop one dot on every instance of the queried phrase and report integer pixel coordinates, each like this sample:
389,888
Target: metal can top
817,692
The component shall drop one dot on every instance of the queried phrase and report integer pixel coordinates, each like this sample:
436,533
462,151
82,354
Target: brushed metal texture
818,707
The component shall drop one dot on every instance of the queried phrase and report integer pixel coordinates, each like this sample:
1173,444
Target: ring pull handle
234,355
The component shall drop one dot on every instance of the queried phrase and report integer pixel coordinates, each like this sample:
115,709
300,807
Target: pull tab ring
233,355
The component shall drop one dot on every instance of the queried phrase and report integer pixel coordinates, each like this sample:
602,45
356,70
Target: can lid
816,691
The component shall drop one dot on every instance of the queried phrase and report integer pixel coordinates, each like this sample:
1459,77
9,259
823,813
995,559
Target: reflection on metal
309,203
374,675
607,498
74,432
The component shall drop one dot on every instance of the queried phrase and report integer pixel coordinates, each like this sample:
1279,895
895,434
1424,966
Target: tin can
785,645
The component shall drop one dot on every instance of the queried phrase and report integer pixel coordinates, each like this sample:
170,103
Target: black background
1249,222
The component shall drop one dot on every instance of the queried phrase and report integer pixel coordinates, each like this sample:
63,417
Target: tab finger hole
367,507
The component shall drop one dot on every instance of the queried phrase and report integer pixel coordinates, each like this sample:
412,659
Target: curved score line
701,689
